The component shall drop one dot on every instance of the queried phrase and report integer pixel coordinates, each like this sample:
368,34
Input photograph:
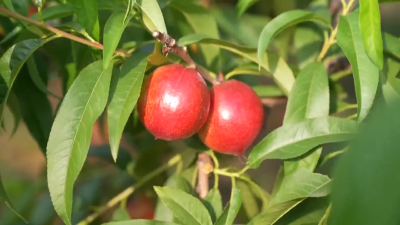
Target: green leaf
391,44
11,63
71,133
34,73
188,209
162,213
8,4
35,109
152,15
308,41
113,30
55,12
309,97
124,98
273,213
366,186
202,22
370,26
301,184
120,214
4,198
272,63
390,84
267,91
184,185
140,222
250,203
282,22
213,203
87,16
231,210
243,5
365,72
293,191
295,139
13,105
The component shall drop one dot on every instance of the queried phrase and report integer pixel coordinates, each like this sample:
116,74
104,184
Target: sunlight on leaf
71,133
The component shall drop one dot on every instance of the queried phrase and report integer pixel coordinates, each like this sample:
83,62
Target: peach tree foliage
103,51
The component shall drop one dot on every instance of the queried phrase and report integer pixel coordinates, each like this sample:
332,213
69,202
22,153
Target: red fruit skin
141,208
174,102
235,119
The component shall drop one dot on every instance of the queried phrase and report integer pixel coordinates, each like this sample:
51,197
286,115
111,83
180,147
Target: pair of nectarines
175,104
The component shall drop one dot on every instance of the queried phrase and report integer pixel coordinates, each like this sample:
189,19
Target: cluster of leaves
107,78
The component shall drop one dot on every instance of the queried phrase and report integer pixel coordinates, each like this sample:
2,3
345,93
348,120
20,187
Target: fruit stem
216,167
58,32
172,46
127,192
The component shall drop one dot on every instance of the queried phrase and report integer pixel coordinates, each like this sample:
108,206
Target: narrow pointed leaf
55,12
71,133
113,30
301,184
309,97
282,22
202,22
35,110
88,16
4,198
140,222
365,189
231,210
152,15
186,208
34,73
370,26
243,5
8,4
213,203
11,63
15,110
272,63
293,140
273,213
124,98
250,204
391,44
293,191
365,72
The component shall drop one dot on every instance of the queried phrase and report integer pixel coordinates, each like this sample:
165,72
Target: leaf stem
332,38
216,167
58,32
127,192
172,46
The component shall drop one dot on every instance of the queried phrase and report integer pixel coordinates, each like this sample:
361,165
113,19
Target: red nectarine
235,119
174,102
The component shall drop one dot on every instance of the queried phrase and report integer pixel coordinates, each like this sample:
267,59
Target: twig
172,46
127,192
58,32
271,102
332,38
205,167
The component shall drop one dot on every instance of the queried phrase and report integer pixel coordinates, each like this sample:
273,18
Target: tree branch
57,31
205,167
127,192
172,46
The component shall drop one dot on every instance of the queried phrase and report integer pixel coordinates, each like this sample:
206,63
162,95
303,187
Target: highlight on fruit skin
235,119
174,102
